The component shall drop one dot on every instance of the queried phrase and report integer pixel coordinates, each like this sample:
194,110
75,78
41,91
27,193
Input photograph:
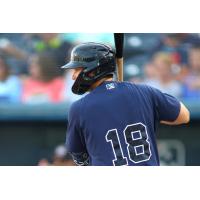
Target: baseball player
115,123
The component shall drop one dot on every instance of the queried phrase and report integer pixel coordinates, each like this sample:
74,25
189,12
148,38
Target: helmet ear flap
85,79
81,84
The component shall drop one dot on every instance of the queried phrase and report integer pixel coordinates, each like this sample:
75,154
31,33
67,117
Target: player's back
118,122
118,125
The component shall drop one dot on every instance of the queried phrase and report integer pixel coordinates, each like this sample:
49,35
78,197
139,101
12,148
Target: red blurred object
176,58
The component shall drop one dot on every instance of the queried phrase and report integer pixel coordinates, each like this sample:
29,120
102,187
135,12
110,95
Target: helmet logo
82,59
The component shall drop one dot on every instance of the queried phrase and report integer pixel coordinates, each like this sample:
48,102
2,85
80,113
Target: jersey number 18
138,147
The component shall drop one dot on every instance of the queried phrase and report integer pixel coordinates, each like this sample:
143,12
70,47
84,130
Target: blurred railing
42,112
56,112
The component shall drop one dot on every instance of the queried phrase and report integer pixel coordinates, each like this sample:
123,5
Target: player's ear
73,74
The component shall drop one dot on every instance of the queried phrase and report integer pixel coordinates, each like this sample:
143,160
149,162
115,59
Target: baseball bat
119,46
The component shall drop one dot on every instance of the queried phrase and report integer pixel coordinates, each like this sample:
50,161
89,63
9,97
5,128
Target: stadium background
35,93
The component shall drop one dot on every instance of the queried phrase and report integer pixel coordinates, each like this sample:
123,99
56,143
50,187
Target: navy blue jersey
115,124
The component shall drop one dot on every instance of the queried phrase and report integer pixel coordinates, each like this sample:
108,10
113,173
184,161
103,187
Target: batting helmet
97,60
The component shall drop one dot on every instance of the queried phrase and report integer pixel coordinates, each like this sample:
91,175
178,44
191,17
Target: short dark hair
48,66
195,47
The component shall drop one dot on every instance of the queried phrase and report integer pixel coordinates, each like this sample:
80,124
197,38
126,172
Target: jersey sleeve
74,139
167,107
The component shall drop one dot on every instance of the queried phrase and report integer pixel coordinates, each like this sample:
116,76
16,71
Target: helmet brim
72,65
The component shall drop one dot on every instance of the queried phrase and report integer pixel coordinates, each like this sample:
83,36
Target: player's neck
99,82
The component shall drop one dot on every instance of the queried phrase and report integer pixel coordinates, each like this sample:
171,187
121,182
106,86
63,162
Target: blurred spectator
151,73
10,85
8,48
189,39
43,162
172,43
60,157
141,44
53,43
160,75
192,81
44,85
16,56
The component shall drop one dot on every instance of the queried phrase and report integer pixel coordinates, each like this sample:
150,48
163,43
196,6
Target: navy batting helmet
97,60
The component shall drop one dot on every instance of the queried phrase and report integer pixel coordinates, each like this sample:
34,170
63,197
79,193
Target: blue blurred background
35,94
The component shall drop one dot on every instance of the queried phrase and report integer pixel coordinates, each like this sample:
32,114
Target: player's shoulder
74,108
143,90
76,104
138,86
80,103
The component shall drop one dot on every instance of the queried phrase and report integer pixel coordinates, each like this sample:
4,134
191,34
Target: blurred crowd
169,62
59,157
30,64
